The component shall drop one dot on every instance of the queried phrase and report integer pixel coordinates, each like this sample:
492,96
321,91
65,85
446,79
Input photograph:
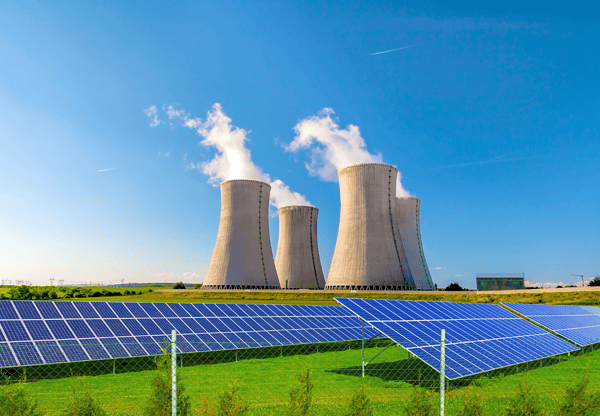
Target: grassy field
157,294
265,383
327,298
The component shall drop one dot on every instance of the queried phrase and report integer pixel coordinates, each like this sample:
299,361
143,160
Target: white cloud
152,113
232,160
106,170
165,154
176,277
439,268
332,148
458,275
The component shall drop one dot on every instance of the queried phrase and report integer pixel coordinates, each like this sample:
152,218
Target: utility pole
580,275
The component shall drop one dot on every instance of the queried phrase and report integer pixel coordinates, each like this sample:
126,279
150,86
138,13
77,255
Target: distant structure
297,262
242,258
500,281
408,216
369,254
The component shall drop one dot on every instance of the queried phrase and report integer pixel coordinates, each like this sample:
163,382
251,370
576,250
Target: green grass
265,383
327,299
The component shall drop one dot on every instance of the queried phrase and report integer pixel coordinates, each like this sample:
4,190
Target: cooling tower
297,262
368,252
408,216
243,258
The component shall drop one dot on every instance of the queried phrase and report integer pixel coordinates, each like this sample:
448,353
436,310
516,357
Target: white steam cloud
233,159
332,148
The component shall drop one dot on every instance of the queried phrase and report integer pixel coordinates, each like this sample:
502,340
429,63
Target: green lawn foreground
265,383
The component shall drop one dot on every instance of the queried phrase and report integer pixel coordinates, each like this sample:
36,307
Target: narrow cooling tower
243,258
368,252
408,215
297,262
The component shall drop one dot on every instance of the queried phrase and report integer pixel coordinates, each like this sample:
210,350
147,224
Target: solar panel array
578,324
479,337
44,332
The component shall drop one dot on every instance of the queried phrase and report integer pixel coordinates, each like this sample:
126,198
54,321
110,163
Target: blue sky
492,117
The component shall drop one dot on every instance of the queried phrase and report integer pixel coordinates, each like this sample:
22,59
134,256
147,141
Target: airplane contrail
392,50
104,170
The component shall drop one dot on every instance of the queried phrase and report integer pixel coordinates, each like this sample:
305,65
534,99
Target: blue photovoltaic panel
7,358
44,332
7,311
479,337
47,309
579,324
27,310
86,310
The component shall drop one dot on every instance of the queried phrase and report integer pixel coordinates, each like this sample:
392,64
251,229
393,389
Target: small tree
160,399
360,404
205,408
14,401
454,287
301,396
595,281
524,403
419,403
179,285
231,404
82,402
472,405
577,400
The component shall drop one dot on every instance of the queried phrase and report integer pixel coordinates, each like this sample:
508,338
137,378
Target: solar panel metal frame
429,350
564,320
50,337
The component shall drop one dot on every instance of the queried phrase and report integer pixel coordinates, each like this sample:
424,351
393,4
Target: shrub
472,405
419,403
301,396
127,293
179,285
524,403
14,401
595,281
231,404
82,403
53,295
360,405
198,286
205,408
160,399
578,402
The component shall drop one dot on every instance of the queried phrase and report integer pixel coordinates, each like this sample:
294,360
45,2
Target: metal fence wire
372,376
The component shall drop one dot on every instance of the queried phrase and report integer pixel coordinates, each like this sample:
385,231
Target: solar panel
479,337
579,324
45,332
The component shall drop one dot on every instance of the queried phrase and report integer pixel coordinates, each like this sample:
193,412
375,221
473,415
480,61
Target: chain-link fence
363,377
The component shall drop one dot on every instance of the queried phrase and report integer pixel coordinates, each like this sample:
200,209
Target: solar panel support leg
442,370
174,373
363,347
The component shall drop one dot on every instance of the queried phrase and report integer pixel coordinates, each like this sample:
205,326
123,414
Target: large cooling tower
297,262
243,258
368,252
408,215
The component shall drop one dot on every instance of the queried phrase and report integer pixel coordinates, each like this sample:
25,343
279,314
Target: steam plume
332,148
233,159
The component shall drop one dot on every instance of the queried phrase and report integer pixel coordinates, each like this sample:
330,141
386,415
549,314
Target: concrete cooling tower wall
408,215
368,252
297,262
243,258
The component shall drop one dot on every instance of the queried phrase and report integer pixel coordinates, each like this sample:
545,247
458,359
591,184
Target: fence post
174,373
363,347
442,370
